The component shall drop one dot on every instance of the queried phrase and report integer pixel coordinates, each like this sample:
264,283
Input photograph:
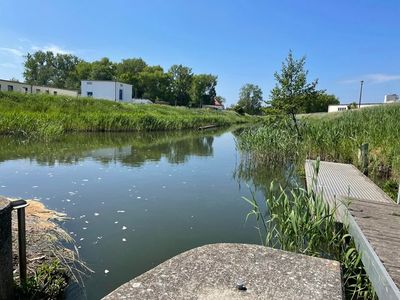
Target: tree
45,68
103,69
203,89
250,98
320,102
181,82
292,91
154,83
128,71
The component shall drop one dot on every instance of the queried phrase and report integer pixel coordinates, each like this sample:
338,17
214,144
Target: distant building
215,105
391,98
15,86
343,107
109,90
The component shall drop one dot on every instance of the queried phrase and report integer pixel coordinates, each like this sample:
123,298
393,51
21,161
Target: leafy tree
250,98
45,68
203,89
154,83
83,70
103,69
320,102
352,105
292,90
181,83
128,71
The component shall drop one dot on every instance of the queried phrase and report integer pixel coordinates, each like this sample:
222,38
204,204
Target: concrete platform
214,271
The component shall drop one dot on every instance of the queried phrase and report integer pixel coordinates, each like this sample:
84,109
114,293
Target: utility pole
359,101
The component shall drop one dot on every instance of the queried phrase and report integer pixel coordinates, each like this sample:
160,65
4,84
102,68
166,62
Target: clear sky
241,41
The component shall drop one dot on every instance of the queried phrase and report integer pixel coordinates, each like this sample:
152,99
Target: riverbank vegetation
40,115
334,138
53,261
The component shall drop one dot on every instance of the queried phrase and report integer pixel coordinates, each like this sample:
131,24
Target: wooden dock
373,219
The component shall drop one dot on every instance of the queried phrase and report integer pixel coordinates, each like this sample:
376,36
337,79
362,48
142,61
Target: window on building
88,82
120,94
341,108
0,87
89,94
47,91
37,91
55,93
25,90
10,88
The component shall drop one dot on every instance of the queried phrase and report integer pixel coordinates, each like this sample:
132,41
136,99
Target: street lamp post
361,88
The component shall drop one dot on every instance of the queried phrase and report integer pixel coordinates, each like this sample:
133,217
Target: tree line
178,85
292,93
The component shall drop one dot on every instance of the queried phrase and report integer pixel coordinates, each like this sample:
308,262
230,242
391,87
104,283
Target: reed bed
41,115
335,137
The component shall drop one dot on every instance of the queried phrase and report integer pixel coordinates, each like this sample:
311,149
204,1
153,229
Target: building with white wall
391,98
109,90
343,107
15,86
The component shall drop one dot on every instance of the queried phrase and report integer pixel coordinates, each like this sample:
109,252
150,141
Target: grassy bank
333,137
48,116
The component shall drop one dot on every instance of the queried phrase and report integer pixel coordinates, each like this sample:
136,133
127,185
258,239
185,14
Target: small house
109,90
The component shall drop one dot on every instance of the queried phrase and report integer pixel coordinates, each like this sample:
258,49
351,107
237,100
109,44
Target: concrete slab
214,271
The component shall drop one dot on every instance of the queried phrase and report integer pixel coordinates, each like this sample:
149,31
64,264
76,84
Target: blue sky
240,41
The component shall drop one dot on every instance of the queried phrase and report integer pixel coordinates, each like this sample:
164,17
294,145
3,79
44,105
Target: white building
391,98
110,90
343,107
15,86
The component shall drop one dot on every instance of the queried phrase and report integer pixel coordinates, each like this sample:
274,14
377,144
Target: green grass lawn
41,115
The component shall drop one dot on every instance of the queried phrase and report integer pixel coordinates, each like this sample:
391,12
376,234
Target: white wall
343,107
109,90
16,86
34,89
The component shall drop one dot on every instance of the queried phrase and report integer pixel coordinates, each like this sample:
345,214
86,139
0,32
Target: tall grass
297,221
333,137
40,115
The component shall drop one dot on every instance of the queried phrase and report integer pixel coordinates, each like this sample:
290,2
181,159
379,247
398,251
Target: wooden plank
343,180
373,219
207,127
380,225
382,282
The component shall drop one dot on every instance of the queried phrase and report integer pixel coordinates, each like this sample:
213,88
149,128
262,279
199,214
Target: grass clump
297,221
48,282
41,115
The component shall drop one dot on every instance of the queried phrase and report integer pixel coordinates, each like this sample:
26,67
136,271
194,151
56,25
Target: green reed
44,115
299,221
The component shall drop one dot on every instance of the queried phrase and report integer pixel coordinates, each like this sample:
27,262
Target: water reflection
132,149
252,169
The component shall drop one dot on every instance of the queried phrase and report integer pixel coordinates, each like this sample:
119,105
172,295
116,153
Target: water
135,199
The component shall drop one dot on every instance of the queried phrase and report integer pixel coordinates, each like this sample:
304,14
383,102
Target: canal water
136,199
